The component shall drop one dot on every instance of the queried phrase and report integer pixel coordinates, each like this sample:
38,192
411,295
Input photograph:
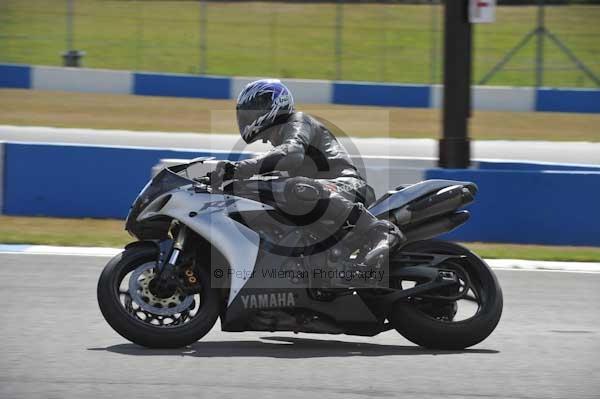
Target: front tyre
432,323
148,320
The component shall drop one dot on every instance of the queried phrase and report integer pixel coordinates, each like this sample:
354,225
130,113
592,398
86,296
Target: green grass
380,42
67,232
536,252
110,233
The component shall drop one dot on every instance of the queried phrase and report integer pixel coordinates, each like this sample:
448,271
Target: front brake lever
202,180
274,173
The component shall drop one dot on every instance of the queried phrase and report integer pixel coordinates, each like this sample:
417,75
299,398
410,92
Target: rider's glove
229,169
225,170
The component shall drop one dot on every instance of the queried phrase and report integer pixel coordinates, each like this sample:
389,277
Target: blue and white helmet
261,105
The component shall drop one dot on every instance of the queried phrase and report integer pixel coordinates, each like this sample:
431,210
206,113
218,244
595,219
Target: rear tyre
123,317
421,320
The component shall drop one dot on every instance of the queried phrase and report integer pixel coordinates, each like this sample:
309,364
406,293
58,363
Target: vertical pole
383,27
539,53
139,34
273,37
71,57
339,28
70,7
434,43
469,72
202,60
454,146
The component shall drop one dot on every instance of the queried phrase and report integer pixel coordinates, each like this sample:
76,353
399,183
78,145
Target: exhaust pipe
442,202
437,226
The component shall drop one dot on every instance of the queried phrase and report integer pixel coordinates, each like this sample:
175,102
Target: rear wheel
137,311
438,322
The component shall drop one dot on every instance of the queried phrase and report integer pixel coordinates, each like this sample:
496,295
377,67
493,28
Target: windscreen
165,180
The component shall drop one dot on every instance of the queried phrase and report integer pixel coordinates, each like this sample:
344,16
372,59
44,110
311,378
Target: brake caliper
190,279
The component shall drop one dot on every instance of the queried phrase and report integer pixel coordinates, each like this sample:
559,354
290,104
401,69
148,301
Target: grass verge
379,42
113,111
110,233
63,232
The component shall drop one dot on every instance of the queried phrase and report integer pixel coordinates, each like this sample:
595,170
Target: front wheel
137,312
435,321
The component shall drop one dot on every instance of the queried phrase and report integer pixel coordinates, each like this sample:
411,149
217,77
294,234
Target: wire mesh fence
366,41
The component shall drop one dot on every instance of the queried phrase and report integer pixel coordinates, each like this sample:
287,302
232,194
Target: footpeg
447,275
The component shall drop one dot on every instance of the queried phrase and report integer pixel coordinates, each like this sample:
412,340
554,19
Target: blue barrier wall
567,100
530,207
15,76
387,95
80,181
315,91
517,202
181,85
534,166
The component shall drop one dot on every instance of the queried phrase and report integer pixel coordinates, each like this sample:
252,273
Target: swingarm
427,272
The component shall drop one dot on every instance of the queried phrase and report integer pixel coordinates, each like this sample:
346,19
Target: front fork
178,245
170,251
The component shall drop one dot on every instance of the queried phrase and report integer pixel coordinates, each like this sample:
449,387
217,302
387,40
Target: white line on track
56,250
543,266
497,264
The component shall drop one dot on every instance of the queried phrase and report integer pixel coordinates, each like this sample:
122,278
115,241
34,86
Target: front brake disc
140,293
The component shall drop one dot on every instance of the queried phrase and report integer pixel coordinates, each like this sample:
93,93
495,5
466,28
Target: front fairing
165,181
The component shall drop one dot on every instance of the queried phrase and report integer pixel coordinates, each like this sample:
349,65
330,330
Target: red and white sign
482,11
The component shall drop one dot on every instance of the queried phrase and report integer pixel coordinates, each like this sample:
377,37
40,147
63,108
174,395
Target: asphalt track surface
543,151
55,344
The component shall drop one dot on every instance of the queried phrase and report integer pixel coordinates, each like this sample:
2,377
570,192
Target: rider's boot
385,237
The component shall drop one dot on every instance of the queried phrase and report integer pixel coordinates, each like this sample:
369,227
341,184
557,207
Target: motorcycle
204,253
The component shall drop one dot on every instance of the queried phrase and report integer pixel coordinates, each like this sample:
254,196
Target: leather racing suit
320,168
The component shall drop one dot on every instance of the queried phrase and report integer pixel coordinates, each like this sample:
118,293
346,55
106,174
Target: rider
319,166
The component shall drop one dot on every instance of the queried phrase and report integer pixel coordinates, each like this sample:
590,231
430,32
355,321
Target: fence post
384,25
139,34
202,37
339,28
433,55
273,38
539,51
69,25
71,57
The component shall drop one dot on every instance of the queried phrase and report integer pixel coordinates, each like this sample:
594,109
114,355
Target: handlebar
274,173
203,179
215,184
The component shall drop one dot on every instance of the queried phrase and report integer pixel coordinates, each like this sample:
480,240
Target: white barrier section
304,91
82,80
504,98
493,98
436,96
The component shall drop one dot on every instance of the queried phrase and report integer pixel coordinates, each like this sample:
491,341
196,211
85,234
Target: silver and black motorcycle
204,253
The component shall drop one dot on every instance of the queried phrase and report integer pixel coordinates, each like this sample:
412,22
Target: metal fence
382,41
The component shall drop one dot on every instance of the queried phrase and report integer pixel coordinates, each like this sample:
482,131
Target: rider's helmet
260,105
